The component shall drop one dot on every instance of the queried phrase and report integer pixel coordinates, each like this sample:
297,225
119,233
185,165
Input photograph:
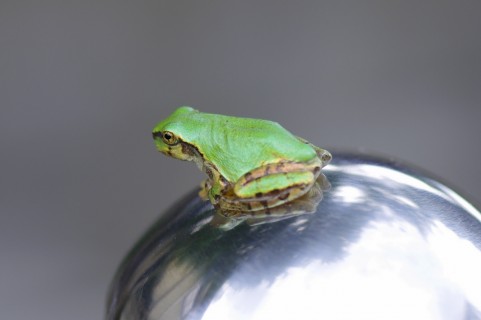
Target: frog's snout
161,146
157,135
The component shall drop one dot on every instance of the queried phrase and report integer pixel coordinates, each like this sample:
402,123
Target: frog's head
169,134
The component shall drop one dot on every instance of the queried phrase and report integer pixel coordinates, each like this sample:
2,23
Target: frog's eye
169,138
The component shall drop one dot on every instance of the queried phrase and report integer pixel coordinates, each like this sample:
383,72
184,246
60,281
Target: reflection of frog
251,164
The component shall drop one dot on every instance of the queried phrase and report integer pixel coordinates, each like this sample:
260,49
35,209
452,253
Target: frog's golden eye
169,138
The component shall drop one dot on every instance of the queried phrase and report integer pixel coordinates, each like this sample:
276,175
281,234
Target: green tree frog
251,164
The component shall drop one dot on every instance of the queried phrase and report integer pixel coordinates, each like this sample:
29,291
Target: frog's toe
325,156
213,197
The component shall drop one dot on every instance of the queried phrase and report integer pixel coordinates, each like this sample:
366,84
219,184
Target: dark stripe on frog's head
186,149
183,151
156,135
179,150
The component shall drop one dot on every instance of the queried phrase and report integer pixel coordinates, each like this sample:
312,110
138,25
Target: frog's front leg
214,189
210,191
271,185
214,186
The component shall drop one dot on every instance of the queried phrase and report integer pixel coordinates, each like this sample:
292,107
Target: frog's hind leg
284,181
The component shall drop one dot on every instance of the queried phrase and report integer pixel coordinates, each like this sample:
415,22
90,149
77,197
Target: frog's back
238,145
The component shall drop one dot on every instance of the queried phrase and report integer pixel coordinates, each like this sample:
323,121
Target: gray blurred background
82,83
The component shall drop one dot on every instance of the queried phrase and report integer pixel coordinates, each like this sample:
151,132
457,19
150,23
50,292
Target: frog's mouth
161,146
167,152
174,151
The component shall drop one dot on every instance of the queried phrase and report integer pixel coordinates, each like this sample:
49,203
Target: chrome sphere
386,242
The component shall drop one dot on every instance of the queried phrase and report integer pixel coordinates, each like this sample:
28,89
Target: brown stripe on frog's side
187,149
208,167
268,169
248,177
279,166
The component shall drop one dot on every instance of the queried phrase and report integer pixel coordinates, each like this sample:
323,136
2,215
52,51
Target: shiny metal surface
386,242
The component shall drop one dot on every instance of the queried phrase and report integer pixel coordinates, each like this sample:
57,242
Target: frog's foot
324,155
